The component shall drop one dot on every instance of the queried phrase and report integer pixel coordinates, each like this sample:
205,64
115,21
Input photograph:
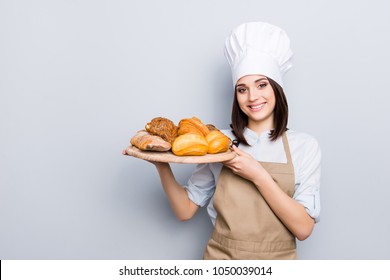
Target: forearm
181,205
292,214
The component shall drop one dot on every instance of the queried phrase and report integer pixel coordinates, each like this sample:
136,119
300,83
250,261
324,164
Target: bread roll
162,127
211,127
190,144
217,142
192,125
146,142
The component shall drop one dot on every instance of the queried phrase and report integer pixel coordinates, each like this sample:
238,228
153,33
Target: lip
257,107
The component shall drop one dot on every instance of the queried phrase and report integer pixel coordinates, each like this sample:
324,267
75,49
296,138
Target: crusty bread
147,142
192,125
190,144
190,138
211,127
162,127
217,142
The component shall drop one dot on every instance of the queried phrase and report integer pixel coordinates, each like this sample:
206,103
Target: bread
190,138
211,127
146,142
217,142
192,125
162,127
190,144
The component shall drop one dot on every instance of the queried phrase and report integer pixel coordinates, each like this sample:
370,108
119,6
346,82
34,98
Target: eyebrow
258,80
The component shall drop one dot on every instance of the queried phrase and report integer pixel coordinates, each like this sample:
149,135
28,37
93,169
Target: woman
268,195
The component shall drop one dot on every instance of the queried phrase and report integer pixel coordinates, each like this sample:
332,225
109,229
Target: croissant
192,125
190,144
147,142
217,142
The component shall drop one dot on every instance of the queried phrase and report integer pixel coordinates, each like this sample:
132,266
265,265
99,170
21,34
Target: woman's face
256,99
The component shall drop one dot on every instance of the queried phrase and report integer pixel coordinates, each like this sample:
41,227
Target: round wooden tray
170,157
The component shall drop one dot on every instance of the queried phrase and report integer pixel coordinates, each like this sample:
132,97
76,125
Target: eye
241,90
262,85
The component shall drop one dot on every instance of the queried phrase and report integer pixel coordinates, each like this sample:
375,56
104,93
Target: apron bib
246,227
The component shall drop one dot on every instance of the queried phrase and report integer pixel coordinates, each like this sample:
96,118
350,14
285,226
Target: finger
232,162
232,159
240,152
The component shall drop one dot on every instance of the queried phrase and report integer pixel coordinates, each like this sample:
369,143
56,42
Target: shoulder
301,139
305,149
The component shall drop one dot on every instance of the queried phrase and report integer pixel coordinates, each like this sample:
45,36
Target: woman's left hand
292,214
244,165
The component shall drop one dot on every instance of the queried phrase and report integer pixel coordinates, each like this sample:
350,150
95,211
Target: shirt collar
252,137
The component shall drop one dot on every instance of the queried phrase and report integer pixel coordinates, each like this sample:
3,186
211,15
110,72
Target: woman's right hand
155,163
177,195
182,206
159,164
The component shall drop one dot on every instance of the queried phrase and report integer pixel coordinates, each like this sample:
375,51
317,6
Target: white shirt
306,158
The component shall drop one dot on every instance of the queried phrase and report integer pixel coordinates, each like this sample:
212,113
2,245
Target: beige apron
246,228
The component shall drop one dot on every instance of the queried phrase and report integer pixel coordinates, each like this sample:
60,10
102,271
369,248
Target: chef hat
258,48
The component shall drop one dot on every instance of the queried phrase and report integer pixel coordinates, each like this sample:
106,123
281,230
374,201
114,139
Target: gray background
78,78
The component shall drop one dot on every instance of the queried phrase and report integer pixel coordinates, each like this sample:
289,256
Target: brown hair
240,120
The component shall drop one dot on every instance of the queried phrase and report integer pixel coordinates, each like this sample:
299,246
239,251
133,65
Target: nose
252,96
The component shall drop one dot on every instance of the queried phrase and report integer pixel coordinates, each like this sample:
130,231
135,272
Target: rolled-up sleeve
201,185
307,189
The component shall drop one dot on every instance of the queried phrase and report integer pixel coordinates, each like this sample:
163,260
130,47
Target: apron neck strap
286,148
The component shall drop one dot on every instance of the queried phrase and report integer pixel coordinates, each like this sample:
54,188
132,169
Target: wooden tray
170,157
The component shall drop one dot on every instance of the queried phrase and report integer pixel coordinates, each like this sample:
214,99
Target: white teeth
257,106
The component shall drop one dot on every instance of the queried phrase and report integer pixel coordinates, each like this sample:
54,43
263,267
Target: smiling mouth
257,106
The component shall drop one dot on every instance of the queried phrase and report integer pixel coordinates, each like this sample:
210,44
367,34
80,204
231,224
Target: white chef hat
258,48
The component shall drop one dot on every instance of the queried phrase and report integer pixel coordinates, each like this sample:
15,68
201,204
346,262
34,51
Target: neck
260,127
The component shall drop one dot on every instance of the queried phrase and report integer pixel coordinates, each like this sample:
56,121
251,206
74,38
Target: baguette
143,140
